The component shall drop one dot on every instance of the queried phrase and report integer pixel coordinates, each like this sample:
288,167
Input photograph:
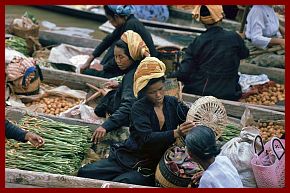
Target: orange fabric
136,45
216,14
148,69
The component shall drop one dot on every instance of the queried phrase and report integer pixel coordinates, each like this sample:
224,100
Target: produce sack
23,76
25,27
53,101
269,163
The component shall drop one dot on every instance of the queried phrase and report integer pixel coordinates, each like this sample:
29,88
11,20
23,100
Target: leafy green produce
64,149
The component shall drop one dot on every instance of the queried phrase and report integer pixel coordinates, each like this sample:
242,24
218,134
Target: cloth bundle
216,14
136,45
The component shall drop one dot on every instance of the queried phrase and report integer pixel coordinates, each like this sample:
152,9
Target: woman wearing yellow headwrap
154,127
211,62
128,51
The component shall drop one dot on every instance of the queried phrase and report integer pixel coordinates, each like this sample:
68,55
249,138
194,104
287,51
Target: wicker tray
208,111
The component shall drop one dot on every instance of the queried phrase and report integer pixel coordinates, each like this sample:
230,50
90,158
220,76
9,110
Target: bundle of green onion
64,149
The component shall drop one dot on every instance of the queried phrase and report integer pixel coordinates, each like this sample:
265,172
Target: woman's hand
34,139
99,134
86,64
97,66
112,84
183,129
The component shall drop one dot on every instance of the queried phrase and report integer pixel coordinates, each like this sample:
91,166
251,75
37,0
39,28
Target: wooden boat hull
100,17
30,179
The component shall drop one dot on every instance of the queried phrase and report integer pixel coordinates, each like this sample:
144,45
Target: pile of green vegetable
64,148
18,44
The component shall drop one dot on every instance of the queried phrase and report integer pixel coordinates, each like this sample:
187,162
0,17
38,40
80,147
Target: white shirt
262,25
221,174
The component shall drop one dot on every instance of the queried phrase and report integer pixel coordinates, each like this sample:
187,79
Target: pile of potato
267,94
55,105
269,129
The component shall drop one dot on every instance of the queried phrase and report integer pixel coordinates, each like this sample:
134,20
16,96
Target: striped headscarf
136,45
148,69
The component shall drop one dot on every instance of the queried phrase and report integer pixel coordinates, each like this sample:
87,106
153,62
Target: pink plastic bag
269,172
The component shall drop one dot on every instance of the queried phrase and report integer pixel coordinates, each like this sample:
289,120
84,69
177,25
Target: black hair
142,92
201,142
204,11
108,11
123,45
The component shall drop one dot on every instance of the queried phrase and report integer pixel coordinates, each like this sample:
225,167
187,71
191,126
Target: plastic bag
83,112
239,151
247,118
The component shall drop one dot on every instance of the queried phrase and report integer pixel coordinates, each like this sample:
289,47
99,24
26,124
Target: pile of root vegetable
269,129
55,105
64,148
266,94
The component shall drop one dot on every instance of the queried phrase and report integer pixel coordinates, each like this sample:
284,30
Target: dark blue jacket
14,132
146,138
123,101
211,63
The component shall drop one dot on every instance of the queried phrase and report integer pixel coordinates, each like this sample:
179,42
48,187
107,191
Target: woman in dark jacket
129,51
122,18
156,121
211,62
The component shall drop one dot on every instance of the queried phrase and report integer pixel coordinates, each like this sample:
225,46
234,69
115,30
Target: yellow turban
216,14
136,45
148,69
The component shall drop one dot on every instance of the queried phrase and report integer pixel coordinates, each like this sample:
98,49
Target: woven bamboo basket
208,111
164,177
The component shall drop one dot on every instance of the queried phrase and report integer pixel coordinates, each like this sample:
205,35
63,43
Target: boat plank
43,179
275,74
47,37
15,114
13,185
236,109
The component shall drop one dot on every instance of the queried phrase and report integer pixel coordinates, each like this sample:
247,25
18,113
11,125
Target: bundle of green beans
64,148
229,132
18,44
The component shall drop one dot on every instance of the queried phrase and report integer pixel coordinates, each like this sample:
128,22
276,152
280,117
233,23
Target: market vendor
264,31
211,62
14,132
123,19
156,121
219,172
129,51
